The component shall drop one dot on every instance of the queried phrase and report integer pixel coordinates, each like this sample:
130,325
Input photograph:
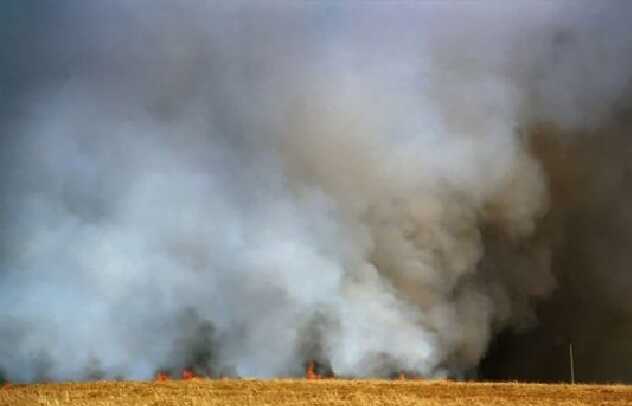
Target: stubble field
238,392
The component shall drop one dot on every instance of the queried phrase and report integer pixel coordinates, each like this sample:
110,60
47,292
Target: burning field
232,188
334,392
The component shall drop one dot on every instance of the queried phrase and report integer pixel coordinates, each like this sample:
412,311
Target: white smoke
265,164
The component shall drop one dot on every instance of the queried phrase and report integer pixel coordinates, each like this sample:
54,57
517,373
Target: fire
162,376
187,374
310,371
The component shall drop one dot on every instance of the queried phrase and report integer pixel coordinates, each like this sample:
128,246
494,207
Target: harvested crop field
302,392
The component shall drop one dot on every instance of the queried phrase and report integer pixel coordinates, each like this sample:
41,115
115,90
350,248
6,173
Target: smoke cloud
237,188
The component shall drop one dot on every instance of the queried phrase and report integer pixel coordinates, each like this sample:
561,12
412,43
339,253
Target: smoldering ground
236,187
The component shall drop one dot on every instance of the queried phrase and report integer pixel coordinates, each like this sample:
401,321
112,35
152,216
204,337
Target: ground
235,392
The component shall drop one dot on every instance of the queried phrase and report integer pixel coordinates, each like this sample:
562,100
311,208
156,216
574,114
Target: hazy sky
379,186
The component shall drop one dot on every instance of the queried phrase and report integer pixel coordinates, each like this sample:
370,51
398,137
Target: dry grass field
303,392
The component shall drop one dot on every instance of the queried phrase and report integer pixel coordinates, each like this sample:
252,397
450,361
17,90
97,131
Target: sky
238,188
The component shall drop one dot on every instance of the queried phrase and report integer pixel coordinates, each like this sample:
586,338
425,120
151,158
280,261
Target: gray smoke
227,186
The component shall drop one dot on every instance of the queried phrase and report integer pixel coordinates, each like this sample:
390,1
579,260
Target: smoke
239,188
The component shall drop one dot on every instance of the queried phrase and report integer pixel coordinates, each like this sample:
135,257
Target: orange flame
162,376
310,371
187,374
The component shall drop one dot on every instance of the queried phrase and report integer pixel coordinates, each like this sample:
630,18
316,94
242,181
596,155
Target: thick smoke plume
237,188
